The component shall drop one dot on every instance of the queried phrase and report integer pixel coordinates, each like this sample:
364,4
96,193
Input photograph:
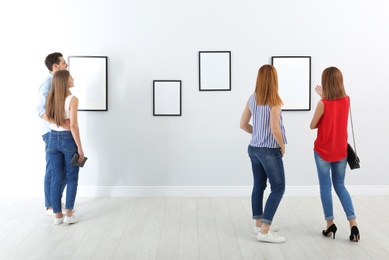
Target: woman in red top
330,148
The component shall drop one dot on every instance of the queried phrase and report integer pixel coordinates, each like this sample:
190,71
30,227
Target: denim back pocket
51,143
68,144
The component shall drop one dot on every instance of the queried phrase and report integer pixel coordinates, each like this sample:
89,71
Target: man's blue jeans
266,164
61,149
337,172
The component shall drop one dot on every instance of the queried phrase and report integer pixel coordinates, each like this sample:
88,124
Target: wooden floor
188,228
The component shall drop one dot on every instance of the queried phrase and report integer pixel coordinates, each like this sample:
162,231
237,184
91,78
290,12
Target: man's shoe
273,228
270,237
70,220
49,212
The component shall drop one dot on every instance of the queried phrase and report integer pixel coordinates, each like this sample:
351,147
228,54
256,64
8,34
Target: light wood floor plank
208,240
148,244
189,232
228,242
168,247
132,234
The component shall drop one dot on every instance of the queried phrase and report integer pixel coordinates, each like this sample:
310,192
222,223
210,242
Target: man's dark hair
51,59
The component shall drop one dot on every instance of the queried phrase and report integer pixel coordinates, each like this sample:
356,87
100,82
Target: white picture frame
167,98
215,70
294,81
90,75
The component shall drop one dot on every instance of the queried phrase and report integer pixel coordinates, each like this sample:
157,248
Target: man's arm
43,93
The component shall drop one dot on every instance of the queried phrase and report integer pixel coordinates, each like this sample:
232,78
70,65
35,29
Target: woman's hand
81,155
319,90
282,150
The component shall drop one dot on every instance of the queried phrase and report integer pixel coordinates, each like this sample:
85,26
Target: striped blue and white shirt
262,135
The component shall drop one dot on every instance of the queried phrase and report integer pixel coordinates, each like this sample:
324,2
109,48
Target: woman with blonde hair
330,148
266,149
63,144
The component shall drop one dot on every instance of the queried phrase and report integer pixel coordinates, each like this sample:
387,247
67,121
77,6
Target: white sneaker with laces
58,221
70,220
273,228
270,237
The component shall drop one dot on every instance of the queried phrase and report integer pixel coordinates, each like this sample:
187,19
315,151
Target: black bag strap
352,130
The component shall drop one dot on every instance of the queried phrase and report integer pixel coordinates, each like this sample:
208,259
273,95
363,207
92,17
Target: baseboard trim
213,191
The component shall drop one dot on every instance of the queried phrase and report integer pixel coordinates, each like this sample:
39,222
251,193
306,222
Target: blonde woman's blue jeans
333,174
266,164
61,148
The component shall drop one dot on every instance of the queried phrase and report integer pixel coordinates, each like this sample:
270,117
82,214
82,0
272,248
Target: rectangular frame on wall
294,81
90,75
167,98
215,70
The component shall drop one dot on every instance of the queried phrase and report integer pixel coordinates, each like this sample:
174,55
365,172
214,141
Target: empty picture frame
90,75
215,70
294,81
167,97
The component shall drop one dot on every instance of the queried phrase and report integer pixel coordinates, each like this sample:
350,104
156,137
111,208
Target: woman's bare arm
74,127
245,119
276,127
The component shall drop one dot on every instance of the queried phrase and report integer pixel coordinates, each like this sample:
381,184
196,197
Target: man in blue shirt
54,61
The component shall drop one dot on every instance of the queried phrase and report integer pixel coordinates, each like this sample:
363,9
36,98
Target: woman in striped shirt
266,150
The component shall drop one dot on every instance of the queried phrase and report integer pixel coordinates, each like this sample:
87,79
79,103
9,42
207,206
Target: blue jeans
61,149
266,164
48,175
338,173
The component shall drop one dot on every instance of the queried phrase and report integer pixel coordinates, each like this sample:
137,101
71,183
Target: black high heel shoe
332,229
354,234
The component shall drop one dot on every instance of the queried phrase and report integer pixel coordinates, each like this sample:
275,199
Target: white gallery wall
203,152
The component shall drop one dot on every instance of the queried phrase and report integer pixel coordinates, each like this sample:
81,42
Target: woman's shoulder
71,97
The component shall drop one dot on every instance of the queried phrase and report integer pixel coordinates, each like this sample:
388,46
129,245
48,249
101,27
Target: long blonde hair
266,89
55,106
332,83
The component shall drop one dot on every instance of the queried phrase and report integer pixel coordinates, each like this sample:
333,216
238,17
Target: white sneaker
273,228
58,221
270,237
70,220
49,212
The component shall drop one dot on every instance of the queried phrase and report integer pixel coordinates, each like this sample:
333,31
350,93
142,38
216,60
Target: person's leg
323,172
271,160
48,175
69,149
274,168
57,165
57,162
338,175
259,185
72,184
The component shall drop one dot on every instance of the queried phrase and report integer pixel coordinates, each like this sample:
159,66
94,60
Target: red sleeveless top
331,141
